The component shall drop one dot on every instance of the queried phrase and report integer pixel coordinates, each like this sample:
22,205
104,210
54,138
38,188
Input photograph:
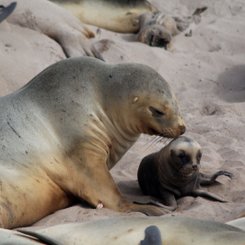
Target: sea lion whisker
150,144
161,140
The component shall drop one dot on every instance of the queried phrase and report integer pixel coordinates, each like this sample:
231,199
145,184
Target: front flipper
211,179
207,195
6,11
93,183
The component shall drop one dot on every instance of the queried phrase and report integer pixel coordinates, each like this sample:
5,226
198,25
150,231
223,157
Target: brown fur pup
173,172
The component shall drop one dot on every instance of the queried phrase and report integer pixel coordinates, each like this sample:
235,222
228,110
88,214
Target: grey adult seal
173,172
131,230
61,133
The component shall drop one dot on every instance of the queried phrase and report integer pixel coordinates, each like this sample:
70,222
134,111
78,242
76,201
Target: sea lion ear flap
135,99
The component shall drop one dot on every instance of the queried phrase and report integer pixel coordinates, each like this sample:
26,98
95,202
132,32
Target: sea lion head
155,36
143,101
185,155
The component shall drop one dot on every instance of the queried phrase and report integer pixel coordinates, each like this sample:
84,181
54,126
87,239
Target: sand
206,72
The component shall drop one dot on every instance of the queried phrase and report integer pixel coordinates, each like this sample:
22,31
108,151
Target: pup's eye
184,158
181,155
155,112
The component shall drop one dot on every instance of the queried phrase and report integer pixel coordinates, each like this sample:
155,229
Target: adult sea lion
173,172
61,133
131,230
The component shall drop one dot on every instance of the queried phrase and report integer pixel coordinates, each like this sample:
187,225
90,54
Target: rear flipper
6,11
207,195
152,236
167,201
211,179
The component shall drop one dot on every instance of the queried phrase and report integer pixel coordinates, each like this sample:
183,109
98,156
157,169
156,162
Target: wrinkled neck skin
119,134
170,171
119,121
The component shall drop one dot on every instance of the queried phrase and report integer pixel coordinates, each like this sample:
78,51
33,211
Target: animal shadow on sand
231,84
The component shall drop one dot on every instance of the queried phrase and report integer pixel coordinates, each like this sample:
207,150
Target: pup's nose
194,167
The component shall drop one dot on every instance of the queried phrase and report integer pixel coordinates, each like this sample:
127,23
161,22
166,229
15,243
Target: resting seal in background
114,15
158,29
61,133
173,172
132,230
55,22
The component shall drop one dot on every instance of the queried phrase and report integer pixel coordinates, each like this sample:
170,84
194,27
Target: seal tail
6,11
40,237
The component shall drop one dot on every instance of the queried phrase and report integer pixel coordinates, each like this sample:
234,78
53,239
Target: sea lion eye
183,157
155,112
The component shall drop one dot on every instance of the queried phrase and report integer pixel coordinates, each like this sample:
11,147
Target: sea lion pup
131,230
173,172
6,11
61,133
114,15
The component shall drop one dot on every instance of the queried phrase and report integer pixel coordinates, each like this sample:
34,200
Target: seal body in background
114,15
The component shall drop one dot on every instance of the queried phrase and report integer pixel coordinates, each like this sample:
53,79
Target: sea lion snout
182,129
173,132
195,167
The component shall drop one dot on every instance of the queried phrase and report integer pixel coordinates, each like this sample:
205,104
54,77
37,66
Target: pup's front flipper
211,179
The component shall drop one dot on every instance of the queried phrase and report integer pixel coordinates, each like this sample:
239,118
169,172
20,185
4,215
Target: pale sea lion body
61,133
132,230
173,172
55,22
115,15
